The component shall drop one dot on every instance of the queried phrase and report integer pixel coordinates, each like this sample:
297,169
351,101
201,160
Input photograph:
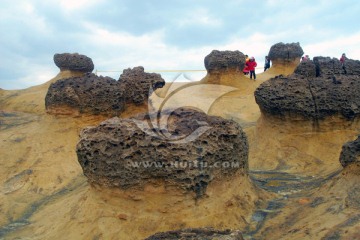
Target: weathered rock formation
74,62
285,57
130,153
350,153
198,234
94,94
285,51
316,90
137,84
225,68
222,61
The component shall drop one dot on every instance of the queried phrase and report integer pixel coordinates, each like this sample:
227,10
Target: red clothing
342,59
251,65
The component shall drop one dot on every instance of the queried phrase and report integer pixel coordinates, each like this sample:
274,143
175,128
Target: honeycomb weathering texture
108,152
73,62
218,61
94,94
285,51
317,89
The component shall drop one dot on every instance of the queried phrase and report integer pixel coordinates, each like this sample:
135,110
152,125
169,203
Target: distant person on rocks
305,58
251,64
343,58
246,69
267,63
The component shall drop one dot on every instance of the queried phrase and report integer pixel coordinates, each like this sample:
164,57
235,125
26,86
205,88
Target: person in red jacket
251,65
342,59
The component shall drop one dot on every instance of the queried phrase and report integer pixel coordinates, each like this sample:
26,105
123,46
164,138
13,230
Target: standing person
246,69
342,59
251,64
267,63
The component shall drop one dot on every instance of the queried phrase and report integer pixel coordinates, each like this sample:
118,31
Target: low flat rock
197,234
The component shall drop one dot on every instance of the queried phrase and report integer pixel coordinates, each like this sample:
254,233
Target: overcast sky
164,34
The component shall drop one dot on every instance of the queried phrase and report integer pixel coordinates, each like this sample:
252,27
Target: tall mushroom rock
224,68
284,57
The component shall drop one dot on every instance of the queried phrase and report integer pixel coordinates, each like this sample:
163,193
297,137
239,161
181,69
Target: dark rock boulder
220,61
73,62
286,51
87,94
313,96
350,153
198,234
188,152
306,68
94,94
138,83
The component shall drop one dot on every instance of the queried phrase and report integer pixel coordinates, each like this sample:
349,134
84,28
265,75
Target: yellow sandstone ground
44,195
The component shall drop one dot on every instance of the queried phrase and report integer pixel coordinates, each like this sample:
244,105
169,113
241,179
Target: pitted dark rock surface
119,153
73,62
138,83
197,234
220,61
285,51
326,66
94,94
350,153
329,92
306,68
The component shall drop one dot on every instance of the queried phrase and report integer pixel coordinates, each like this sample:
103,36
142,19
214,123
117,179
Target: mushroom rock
285,57
199,234
350,154
310,114
98,95
312,95
225,67
73,62
194,150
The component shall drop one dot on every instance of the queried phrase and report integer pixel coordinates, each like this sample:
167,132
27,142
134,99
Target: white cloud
122,36
336,46
199,16
72,5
